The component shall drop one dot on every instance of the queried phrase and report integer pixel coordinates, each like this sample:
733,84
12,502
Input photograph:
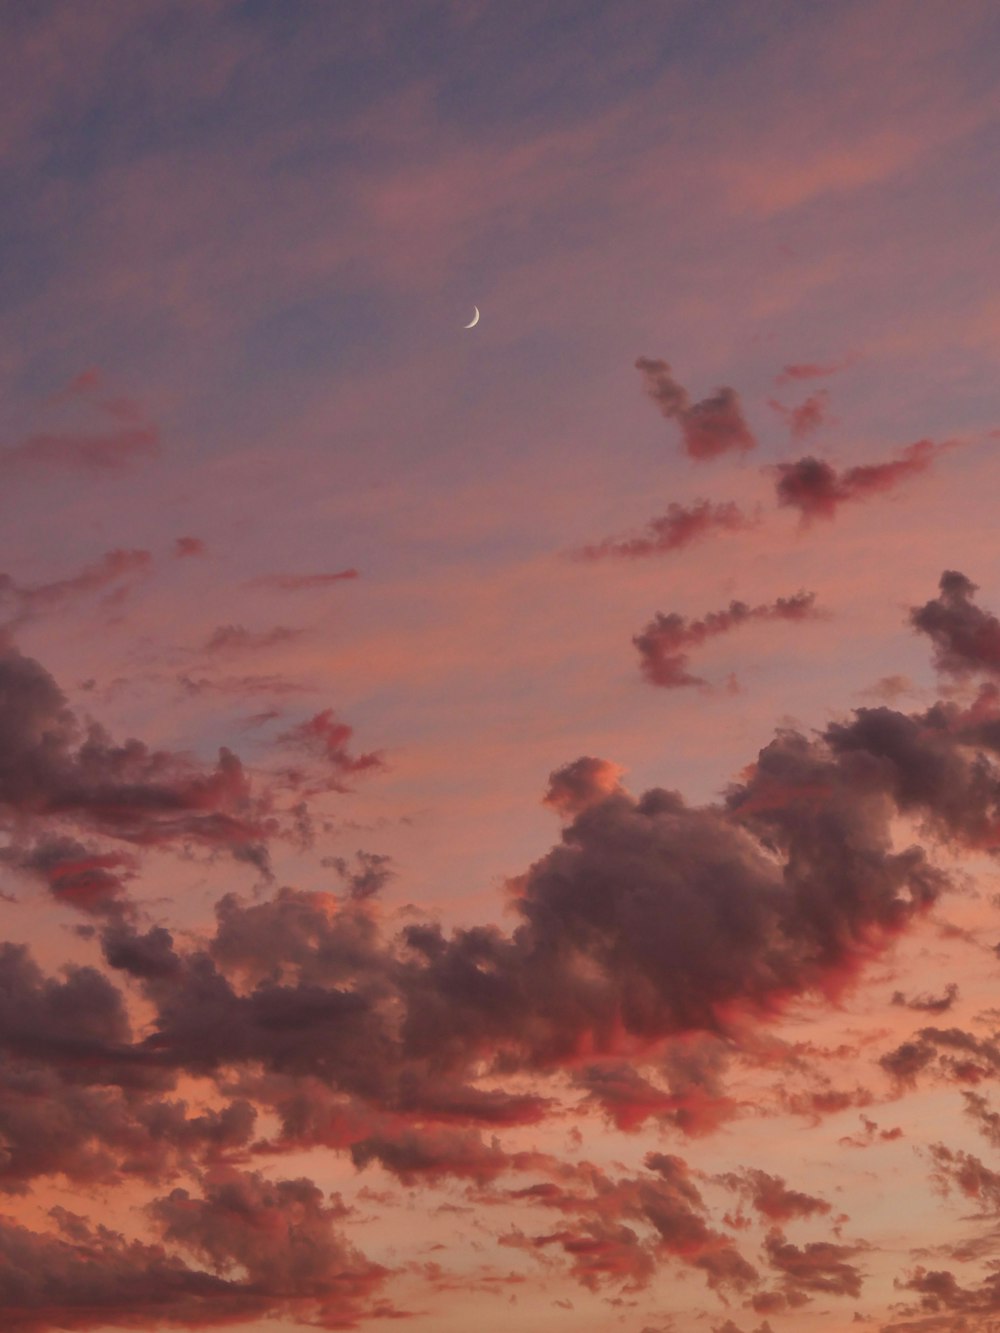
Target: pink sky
499,827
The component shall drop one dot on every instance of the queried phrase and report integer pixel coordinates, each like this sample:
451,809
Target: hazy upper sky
499,826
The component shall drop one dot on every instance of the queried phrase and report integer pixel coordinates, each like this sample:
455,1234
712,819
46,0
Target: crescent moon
474,321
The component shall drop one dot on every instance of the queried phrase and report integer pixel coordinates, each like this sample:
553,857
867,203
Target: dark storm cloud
710,427
816,488
678,527
965,637
663,644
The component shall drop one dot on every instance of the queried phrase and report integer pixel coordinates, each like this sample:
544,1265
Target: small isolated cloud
326,738
811,370
711,427
816,488
189,546
965,637
808,417
298,582
237,638
663,644
678,527
928,1004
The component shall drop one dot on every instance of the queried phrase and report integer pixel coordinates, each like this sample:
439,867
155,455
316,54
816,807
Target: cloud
809,416
185,547
818,1266
95,452
771,1197
325,738
237,638
662,644
928,1004
120,567
280,1234
371,873
678,527
710,427
965,637
582,783
51,766
811,370
298,582
816,489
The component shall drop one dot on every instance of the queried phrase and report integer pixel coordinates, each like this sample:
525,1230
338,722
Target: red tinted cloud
584,782
816,1267
965,637
52,766
189,546
811,370
114,568
816,489
664,642
297,582
237,638
771,1197
710,427
678,527
327,739
809,416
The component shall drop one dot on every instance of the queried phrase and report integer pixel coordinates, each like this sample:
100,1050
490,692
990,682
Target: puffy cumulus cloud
324,737
818,1266
117,570
272,1246
663,644
965,637
817,489
771,1197
810,415
54,1126
582,783
52,767
299,582
678,527
710,427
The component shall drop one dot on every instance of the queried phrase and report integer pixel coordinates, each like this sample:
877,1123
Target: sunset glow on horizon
500,666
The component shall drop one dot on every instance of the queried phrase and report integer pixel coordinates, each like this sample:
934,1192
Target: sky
499,825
